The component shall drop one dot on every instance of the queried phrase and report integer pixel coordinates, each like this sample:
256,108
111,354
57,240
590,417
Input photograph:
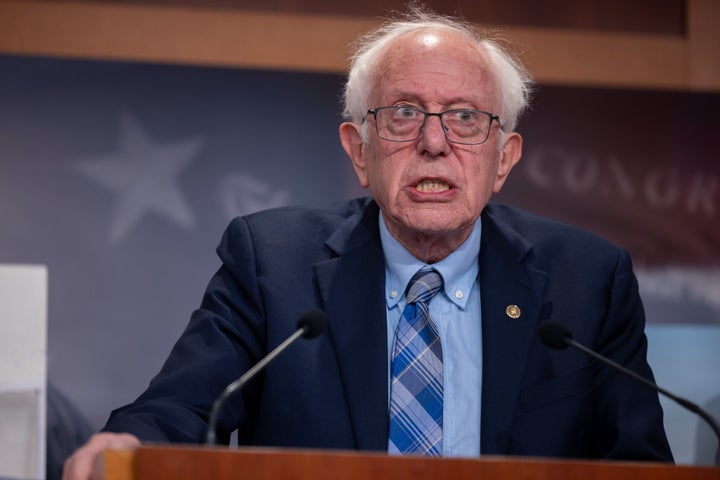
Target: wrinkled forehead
453,59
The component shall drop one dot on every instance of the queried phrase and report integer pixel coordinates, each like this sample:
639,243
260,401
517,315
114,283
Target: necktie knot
423,286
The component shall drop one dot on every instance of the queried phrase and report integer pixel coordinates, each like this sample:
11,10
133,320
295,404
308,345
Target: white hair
513,82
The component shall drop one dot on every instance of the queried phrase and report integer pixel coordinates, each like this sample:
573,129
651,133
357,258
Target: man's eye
466,116
406,112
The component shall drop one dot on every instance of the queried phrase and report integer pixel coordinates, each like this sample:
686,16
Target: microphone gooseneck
310,325
557,336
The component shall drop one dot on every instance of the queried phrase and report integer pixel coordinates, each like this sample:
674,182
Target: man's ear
351,140
509,157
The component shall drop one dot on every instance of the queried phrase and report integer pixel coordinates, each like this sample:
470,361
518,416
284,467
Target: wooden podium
184,463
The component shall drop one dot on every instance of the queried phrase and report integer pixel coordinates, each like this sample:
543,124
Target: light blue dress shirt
456,313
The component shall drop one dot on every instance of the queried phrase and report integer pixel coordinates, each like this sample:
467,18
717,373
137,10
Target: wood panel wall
589,52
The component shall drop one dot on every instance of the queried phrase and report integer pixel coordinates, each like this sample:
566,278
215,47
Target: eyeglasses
405,123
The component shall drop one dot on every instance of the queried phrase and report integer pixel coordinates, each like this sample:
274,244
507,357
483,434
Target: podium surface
184,463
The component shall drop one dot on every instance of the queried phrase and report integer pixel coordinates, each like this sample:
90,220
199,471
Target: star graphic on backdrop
143,177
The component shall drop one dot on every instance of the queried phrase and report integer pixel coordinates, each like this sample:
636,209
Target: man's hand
85,463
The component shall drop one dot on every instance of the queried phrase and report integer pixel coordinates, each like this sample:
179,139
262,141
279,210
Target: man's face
430,188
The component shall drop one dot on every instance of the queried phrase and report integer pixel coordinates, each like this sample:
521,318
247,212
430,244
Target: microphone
557,336
310,325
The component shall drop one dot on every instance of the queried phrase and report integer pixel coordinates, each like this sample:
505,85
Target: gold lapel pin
513,311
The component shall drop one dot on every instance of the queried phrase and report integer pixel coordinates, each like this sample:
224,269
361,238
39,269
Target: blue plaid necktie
416,398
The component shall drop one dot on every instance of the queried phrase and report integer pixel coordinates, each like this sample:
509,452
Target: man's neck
430,248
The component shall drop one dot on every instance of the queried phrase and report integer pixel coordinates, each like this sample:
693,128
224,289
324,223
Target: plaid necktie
416,399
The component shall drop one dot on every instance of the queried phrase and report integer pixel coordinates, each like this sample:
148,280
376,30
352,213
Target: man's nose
432,138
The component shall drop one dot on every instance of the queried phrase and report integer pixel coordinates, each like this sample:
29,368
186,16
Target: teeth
431,186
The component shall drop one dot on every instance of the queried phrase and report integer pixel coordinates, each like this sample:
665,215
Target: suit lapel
352,289
507,279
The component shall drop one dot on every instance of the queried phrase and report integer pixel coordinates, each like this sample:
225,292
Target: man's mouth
432,186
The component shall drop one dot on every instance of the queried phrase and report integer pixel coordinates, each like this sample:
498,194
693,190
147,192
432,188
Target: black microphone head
313,323
553,334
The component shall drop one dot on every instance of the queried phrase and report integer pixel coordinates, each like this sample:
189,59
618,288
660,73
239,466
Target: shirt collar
458,270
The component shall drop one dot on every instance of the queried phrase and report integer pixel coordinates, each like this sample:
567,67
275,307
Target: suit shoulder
299,219
295,224
541,230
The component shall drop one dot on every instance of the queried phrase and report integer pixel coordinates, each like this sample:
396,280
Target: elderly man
433,295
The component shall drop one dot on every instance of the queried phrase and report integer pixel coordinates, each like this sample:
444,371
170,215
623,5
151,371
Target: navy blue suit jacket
331,392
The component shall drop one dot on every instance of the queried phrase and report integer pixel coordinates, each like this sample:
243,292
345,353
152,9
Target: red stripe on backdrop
639,168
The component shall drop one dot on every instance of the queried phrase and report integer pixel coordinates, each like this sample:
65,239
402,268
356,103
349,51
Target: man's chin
438,226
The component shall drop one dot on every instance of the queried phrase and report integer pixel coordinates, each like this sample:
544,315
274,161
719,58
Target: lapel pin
513,311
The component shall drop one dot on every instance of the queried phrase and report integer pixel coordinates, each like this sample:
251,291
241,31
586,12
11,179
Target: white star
143,177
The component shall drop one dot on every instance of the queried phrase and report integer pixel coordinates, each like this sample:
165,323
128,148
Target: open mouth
432,186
